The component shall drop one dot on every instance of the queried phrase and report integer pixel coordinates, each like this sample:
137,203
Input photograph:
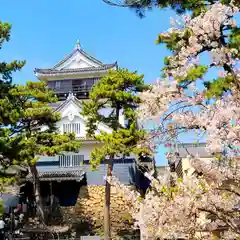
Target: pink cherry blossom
178,208
221,74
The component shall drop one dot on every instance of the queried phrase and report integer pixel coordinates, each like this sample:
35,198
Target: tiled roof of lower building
61,174
194,149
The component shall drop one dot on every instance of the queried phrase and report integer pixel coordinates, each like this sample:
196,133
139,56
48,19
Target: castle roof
77,62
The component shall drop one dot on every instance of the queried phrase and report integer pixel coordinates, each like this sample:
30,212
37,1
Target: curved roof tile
75,70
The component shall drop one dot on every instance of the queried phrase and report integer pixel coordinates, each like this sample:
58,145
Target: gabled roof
55,105
62,104
74,100
77,62
77,49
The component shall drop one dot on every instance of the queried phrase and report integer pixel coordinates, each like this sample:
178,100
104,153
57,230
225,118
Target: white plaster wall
83,132
87,148
75,120
77,61
77,64
76,110
71,107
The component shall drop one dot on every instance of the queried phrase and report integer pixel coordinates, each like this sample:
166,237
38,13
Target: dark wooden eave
52,71
59,175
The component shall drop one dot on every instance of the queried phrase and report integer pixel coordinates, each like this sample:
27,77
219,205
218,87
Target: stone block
90,205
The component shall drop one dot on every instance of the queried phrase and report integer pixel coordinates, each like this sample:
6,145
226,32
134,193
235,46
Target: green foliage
180,6
172,41
6,69
22,113
234,40
218,86
194,73
127,218
230,37
166,60
117,91
1,207
24,110
4,32
120,141
178,38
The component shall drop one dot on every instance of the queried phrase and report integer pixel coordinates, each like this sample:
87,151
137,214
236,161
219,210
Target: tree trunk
107,225
38,198
142,236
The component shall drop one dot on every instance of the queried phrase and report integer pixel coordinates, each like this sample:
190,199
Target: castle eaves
53,72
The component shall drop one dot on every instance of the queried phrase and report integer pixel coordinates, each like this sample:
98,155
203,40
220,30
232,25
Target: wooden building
63,175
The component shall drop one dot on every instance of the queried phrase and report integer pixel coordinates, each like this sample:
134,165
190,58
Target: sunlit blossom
177,208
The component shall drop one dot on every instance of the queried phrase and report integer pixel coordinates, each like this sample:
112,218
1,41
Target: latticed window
58,84
74,160
95,80
71,128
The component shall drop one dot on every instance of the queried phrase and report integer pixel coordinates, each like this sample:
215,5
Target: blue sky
45,32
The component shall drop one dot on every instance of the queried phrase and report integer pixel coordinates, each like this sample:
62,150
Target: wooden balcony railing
81,88
73,89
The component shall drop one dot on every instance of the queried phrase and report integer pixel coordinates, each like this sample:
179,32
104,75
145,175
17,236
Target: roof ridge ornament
78,46
70,96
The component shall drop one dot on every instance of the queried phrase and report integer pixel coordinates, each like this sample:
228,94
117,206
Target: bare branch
116,4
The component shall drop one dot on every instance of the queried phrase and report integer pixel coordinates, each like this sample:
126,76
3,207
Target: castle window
74,160
58,84
71,128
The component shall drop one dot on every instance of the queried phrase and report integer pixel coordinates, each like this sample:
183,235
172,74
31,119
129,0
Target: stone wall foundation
87,216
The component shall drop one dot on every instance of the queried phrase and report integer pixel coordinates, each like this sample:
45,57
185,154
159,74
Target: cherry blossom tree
206,203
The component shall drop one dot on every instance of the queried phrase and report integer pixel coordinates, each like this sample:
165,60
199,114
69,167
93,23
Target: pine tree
27,123
27,110
6,70
117,92
180,6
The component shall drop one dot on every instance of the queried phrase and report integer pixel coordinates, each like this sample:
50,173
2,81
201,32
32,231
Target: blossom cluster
206,31
172,212
207,199
179,212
